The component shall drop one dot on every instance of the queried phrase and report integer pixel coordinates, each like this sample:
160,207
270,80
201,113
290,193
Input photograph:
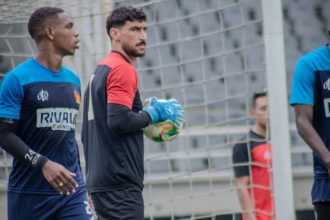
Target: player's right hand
160,110
59,177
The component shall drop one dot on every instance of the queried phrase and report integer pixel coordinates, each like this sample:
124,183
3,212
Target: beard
130,51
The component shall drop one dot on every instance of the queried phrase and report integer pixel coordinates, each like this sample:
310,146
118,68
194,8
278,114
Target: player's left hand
59,177
163,110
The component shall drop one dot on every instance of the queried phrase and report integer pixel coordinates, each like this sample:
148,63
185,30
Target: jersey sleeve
11,97
241,160
122,86
302,91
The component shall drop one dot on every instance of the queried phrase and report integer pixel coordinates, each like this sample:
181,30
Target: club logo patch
267,155
326,85
43,95
76,97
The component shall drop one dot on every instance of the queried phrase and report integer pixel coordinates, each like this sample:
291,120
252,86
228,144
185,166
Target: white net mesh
209,54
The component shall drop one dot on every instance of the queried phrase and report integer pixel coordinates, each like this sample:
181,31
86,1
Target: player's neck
50,60
48,56
119,49
260,130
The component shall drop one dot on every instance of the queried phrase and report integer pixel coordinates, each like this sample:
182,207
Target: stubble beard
132,51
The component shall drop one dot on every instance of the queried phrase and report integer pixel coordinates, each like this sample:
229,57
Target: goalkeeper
113,120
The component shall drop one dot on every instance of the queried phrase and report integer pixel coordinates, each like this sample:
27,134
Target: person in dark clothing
39,103
310,97
253,161
113,119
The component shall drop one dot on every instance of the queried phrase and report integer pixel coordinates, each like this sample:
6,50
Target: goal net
208,54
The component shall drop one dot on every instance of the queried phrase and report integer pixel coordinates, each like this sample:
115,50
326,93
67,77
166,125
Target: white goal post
278,108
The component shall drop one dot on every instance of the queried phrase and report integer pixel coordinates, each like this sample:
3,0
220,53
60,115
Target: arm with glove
163,110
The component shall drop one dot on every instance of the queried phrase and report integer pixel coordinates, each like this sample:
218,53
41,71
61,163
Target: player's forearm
246,204
122,120
312,138
14,145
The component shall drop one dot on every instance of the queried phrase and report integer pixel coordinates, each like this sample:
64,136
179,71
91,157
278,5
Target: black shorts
322,210
124,203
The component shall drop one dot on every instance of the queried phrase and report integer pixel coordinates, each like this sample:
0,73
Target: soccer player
39,102
113,120
310,97
253,160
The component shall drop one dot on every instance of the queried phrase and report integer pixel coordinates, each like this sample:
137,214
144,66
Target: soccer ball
162,131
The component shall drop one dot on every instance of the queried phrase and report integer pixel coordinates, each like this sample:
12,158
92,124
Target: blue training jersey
311,86
46,104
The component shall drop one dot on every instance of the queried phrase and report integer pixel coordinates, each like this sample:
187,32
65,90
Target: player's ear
49,32
114,34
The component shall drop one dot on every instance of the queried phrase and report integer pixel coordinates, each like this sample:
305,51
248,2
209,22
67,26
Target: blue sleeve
11,97
302,91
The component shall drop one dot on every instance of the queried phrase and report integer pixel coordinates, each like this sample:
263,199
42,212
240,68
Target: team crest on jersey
63,119
267,155
326,85
76,96
43,95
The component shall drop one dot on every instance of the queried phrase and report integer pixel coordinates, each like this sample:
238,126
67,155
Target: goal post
278,108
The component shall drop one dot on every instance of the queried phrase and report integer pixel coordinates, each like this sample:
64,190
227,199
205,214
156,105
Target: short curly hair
119,16
38,19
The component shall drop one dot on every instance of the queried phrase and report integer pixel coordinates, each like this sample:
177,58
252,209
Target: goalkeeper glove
160,110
